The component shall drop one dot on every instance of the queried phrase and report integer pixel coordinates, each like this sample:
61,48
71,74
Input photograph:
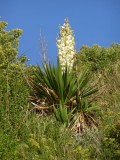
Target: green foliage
8,45
11,78
53,84
99,58
73,99
62,115
111,141
63,93
13,92
85,89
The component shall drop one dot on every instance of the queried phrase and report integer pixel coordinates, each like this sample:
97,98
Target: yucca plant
61,89
85,118
60,93
52,86
63,115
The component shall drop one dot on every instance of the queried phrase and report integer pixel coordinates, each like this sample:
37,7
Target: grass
26,135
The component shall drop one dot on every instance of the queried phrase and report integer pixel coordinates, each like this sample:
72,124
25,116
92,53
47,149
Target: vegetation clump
59,112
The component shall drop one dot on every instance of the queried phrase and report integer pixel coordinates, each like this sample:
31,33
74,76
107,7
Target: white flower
63,26
66,46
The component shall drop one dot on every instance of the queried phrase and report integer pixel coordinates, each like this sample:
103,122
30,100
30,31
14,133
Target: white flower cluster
66,46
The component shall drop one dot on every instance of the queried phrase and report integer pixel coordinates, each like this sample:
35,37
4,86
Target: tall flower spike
66,46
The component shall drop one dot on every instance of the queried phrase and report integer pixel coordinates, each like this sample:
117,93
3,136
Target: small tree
13,88
9,41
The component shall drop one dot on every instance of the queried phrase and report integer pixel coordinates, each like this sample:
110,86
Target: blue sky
93,22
